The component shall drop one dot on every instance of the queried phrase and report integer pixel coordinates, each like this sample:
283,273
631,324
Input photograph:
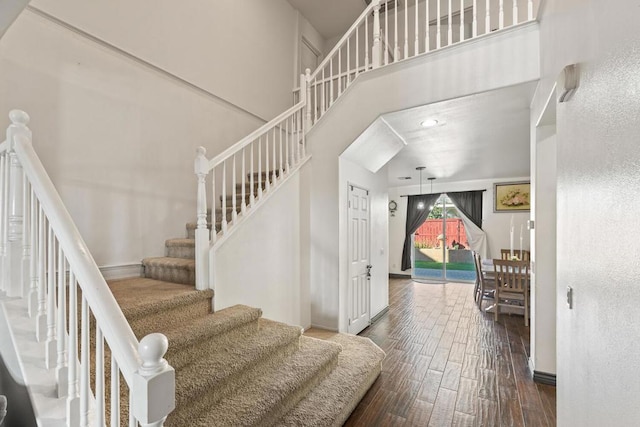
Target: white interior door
359,267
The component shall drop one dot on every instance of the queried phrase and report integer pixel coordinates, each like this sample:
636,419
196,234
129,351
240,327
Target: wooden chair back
512,276
524,256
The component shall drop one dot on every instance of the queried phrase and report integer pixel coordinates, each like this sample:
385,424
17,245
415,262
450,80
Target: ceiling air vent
386,5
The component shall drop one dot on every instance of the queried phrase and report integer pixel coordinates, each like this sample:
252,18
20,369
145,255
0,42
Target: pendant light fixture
421,168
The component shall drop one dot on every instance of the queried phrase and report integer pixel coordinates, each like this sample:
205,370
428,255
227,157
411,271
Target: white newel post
307,80
154,384
17,129
201,169
376,54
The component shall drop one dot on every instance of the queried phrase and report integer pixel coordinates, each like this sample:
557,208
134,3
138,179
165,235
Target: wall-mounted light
567,82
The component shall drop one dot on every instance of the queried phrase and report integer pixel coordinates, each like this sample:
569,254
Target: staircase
234,368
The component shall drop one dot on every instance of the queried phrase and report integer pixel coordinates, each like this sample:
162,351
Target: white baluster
84,365
18,130
357,72
214,221
323,100
406,30
223,194
530,10
427,36
288,140
201,168
487,19
461,20
234,193
340,71
251,176
51,302
416,42
73,398
438,25
330,85
515,12
501,15
274,169
4,199
267,181
348,78
99,390
115,393
386,35
284,163
396,45
259,168
132,420
376,58
243,176
475,19
26,237
307,85
304,141
61,362
41,320
450,29
33,266
366,41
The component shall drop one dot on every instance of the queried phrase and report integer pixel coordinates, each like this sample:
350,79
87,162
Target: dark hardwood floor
448,364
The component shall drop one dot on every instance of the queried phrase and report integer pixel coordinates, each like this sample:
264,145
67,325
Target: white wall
496,225
118,138
500,60
240,50
9,11
597,208
260,264
352,174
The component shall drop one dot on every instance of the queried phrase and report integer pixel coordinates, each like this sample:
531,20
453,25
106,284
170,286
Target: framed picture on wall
512,196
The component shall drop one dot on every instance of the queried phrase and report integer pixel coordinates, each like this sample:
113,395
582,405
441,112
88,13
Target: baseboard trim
544,378
326,328
379,315
399,276
122,271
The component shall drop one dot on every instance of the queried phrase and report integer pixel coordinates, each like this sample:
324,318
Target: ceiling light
429,123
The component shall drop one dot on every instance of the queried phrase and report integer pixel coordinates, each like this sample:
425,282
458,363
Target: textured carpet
234,368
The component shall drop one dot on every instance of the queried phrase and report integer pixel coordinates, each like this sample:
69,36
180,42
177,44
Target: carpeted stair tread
180,248
275,392
178,270
333,400
139,296
237,322
230,363
181,242
163,261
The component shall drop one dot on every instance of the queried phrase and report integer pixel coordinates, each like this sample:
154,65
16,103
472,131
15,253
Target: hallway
449,364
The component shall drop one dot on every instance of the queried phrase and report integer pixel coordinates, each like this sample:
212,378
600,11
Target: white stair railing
44,259
395,30
241,177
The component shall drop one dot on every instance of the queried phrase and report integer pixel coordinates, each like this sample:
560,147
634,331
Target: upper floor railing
240,178
44,260
395,30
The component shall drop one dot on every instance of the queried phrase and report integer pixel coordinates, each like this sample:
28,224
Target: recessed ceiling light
429,123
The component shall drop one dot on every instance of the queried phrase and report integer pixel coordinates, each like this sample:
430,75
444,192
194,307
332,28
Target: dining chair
512,290
484,285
